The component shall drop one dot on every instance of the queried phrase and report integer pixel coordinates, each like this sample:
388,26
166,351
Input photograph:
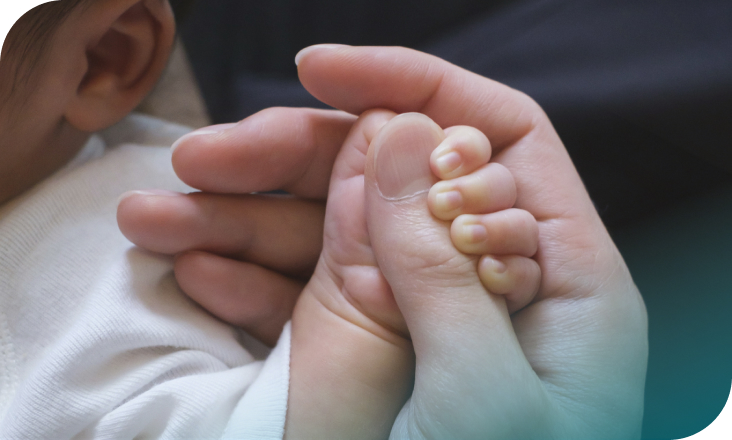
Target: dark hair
28,39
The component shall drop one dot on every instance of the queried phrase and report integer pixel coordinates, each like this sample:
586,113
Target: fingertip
446,162
508,232
144,193
494,275
468,234
315,48
372,121
196,155
156,219
445,202
464,150
205,131
277,148
137,210
493,266
515,277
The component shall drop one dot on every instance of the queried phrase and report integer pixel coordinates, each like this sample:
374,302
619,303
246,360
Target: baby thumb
463,338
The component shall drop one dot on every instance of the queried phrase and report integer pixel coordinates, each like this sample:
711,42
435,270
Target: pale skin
571,364
583,336
352,360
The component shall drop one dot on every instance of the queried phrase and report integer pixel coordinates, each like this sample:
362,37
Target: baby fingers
508,232
489,189
515,277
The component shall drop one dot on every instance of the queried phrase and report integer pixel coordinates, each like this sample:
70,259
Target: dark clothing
640,92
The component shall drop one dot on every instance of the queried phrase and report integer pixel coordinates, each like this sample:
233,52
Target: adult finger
282,233
403,80
356,79
278,148
246,295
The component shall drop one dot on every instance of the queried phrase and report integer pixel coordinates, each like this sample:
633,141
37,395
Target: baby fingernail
448,200
448,162
474,232
495,266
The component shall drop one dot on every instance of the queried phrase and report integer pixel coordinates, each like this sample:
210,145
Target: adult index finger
278,148
355,79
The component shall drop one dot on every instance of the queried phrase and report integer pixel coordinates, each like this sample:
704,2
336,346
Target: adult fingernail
147,192
314,48
214,129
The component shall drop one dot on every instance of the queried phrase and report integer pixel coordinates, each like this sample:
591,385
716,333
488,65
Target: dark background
640,92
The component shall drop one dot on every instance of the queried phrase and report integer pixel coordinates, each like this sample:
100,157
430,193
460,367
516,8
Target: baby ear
127,50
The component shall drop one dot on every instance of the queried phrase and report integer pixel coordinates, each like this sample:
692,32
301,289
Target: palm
589,299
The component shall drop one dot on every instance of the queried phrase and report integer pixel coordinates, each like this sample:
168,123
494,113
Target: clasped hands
246,257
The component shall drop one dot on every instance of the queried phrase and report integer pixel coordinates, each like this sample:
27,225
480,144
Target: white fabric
96,341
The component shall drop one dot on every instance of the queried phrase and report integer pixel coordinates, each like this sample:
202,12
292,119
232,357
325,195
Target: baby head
70,68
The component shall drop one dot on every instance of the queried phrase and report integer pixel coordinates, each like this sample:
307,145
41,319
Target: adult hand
583,339
244,257
585,335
